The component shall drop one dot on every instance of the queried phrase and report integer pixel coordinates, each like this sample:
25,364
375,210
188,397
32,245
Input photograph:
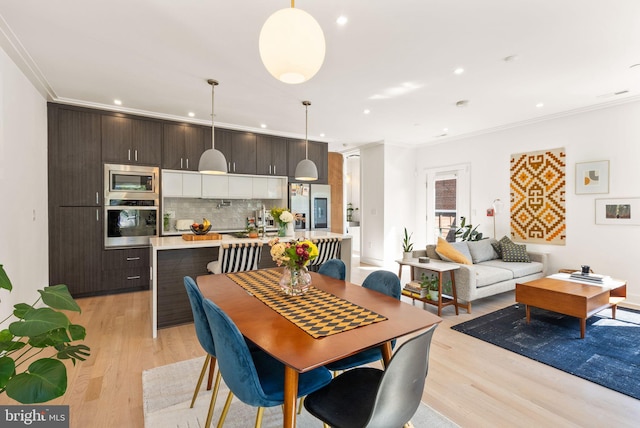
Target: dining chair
203,332
374,398
238,257
384,282
328,248
256,378
334,268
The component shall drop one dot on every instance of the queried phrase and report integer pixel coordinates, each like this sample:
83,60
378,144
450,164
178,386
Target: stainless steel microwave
131,182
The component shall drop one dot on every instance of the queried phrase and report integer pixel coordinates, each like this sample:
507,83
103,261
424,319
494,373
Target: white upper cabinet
181,184
215,186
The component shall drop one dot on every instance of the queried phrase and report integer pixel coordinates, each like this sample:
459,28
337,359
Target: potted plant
39,328
407,245
429,285
466,232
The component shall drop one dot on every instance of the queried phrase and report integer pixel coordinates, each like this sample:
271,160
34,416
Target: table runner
317,312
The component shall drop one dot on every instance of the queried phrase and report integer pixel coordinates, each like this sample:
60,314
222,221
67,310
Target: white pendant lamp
292,45
306,169
212,161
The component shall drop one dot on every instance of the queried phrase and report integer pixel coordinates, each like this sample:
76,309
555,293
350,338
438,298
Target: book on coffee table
589,277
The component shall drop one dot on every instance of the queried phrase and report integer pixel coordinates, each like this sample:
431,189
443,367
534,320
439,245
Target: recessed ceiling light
322,134
117,102
191,114
539,105
366,111
342,20
445,130
458,71
263,125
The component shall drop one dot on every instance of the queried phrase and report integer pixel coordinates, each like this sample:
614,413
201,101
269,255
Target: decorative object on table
429,285
252,232
292,45
585,269
39,327
466,232
284,219
350,211
407,245
201,228
592,177
423,259
295,257
537,193
620,212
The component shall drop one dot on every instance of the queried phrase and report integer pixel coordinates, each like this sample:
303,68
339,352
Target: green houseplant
430,286
466,232
407,245
35,331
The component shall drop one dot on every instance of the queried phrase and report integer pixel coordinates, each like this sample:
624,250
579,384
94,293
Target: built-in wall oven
131,205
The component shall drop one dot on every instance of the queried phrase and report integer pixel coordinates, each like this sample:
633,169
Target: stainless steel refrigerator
313,203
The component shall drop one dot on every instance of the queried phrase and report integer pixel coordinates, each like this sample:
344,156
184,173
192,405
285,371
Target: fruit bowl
199,231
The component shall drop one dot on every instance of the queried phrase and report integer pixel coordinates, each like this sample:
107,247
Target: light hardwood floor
473,383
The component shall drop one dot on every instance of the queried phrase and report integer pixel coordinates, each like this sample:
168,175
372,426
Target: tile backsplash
227,214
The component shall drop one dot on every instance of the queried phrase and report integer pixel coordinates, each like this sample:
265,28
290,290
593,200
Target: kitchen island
173,258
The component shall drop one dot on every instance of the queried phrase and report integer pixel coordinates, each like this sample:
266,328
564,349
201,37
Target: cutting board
207,237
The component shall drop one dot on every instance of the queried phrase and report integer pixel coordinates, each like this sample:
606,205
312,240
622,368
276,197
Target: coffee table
581,300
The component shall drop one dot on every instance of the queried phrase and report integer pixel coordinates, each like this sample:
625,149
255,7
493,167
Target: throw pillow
497,245
515,253
453,252
481,251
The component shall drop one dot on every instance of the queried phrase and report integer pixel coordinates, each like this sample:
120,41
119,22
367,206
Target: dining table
302,350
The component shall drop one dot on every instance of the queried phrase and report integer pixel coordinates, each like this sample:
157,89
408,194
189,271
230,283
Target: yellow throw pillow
448,252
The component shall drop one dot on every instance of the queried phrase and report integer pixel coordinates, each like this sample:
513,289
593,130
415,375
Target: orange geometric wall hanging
537,194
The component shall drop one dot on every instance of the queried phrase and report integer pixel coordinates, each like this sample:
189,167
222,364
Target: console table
439,267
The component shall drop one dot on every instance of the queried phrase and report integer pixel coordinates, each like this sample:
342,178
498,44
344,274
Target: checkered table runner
316,312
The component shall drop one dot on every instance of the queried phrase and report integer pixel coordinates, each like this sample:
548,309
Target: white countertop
176,242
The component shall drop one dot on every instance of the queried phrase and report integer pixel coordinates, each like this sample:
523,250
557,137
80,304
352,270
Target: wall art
592,177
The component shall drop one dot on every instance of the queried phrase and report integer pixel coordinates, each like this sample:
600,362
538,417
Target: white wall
23,186
606,134
372,175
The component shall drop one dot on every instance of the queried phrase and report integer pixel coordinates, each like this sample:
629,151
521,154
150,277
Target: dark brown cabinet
131,141
74,249
75,165
239,148
126,269
182,146
271,155
318,153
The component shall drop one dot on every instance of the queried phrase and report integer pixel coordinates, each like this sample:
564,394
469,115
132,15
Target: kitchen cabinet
269,188
239,148
271,155
179,184
240,187
75,164
126,269
74,249
215,186
318,153
131,141
182,146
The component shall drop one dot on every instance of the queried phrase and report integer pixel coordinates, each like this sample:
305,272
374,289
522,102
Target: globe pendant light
212,161
306,169
292,45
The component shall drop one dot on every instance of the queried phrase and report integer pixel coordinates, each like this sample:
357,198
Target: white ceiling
395,58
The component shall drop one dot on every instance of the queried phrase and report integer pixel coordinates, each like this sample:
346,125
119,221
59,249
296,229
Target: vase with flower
295,257
284,219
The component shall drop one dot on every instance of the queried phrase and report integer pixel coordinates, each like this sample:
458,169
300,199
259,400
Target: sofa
488,273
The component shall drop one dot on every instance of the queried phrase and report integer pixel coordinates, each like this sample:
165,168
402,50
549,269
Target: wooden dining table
298,350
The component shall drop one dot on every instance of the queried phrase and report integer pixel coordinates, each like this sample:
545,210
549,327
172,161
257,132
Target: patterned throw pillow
498,245
515,253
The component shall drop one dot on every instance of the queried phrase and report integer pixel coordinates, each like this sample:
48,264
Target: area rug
609,355
167,393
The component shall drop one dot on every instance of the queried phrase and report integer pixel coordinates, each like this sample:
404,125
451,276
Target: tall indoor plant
39,328
407,245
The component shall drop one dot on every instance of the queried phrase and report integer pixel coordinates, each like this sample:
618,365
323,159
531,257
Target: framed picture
592,177
618,211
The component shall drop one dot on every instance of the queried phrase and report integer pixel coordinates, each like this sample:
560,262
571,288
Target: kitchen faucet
264,221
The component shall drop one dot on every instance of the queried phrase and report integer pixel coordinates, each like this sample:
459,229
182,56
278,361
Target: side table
439,267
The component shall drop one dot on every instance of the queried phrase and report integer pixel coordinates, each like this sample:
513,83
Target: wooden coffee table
580,300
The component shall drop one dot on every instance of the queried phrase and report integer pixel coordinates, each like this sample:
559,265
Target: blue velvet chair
334,268
203,332
255,378
369,397
384,282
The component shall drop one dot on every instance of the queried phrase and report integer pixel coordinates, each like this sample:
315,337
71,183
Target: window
448,199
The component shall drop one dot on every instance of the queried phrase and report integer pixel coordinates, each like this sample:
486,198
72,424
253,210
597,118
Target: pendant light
306,169
212,161
292,45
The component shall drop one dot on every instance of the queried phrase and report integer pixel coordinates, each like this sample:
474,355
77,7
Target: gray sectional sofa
489,274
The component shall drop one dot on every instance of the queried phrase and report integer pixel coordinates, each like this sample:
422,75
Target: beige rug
167,392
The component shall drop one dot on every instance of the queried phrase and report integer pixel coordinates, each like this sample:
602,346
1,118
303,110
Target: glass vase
282,229
295,281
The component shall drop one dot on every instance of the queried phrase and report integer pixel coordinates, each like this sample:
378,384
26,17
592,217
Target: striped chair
237,258
328,248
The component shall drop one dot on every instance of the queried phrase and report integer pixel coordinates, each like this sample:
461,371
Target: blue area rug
609,355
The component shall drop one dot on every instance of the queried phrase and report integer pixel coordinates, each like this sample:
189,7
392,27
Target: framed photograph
592,177
618,211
